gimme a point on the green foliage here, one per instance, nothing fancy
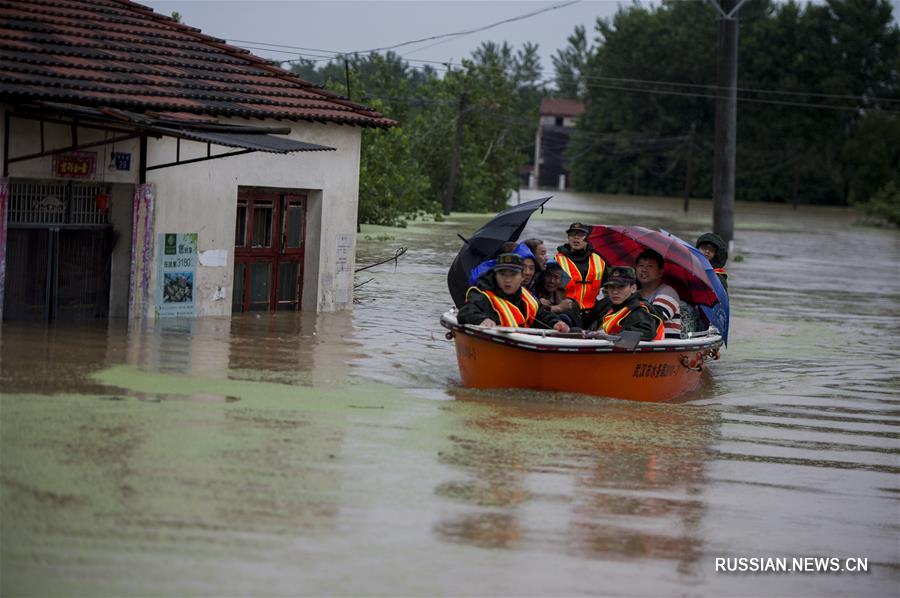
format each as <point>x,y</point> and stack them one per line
<point>843,56</point>
<point>390,184</point>
<point>405,171</point>
<point>871,156</point>
<point>885,204</point>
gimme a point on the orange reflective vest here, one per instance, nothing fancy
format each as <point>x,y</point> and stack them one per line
<point>583,290</point>
<point>509,314</point>
<point>612,323</point>
<point>721,272</point>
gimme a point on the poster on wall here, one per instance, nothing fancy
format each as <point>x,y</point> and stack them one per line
<point>343,276</point>
<point>175,276</point>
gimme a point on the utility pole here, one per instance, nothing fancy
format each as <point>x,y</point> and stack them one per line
<point>726,119</point>
<point>450,191</point>
<point>347,77</point>
<point>689,176</point>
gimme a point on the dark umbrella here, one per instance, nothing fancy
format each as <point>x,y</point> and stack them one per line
<point>686,270</point>
<point>486,243</point>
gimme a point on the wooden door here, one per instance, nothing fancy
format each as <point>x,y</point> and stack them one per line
<point>270,236</point>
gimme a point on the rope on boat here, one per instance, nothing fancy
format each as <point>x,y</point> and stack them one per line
<point>696,364</point>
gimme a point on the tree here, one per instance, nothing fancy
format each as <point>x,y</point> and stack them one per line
<point>808,77</point>
<point>570,64</point>
<point>405,170</point>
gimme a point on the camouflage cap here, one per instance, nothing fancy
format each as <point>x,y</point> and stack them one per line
<point>621,275</point>
<point>509,261</point>
<point>579,227</point>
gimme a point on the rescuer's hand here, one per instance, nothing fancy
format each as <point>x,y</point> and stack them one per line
<point>487,323</point>
<point>561,327</point>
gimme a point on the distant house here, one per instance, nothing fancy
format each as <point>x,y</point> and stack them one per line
<point>555,126</point>
<point>152,170</point>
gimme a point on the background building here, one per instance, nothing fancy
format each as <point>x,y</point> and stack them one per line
<point>556,124</point>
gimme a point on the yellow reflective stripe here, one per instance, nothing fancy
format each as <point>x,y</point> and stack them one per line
<point>567,265</point>
<point>531,306</point>
<point>612,320</point>
<point>597,265</point>
<point>505,310</point>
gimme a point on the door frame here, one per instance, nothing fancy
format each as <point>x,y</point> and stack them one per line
<point>276,253</point>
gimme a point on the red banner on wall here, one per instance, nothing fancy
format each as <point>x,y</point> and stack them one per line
<point>75,165</point>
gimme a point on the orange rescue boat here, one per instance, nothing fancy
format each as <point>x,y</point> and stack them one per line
<point>546,360</point>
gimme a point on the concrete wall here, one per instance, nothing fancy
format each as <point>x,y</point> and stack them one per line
<point>121,207</point>
<point>567,121</point>
<point>202,198</point>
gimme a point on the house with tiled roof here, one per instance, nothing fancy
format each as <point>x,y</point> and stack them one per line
<point>150,169</point>
<point>556,123</point>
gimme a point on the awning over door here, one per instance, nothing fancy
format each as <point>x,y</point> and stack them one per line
<point>129,125</point>
<point>259,142</point>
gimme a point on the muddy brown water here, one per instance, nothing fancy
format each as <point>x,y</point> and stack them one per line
<point>336,454</point>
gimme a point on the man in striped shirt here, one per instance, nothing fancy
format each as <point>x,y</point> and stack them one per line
<point>662,297</point>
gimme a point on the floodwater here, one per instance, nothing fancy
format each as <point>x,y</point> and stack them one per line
<point>296,454</point>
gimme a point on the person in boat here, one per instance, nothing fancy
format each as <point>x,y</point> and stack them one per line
<point>552,294</point>
<point>498,299</point>
<point>622,308</point>
<point>716,251</point>
<point>539,251</point>
<point>663,299</point>
<point>584,267</point>
<point>521,249</point>
<point>529,262</point>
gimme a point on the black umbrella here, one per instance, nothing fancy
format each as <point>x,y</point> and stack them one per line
<point>486,243</point>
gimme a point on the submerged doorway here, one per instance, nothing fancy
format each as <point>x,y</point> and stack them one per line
<point>268,254</point>
<point>58,252</point>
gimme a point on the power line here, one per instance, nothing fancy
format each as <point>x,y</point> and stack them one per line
<point>740,99</point>
<point>470,31</point>
<point>337,54</point>
<point>739,89</point>
<point>411,42</point>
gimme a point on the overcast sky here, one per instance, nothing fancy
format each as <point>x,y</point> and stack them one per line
<point>354,25</point>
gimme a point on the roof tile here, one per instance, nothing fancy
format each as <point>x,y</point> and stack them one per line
<point>117,53</point>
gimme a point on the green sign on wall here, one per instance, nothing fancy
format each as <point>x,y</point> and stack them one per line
<point>176,274</point>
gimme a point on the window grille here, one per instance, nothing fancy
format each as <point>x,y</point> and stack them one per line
<point>56,202</point>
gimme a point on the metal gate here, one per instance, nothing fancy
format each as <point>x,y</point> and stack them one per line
<point>59,248</point>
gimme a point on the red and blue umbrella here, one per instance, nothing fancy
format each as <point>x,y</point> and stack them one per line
<point>686,269</point>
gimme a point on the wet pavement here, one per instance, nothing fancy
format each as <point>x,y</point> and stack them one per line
<point>336,454</point>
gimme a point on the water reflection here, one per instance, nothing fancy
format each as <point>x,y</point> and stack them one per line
<point>270,454</point>
<point>596,479</point>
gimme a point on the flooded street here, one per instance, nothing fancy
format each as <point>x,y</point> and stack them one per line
<point>336,454</point>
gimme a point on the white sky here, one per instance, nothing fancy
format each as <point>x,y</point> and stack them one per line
<point>346,26</point>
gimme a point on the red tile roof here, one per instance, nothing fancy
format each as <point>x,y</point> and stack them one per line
<point>117,53</point>
<point>558,107</point>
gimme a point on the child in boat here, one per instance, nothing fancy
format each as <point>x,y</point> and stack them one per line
<point>552,295</point>
<point>622,308</point>
<point>663,299</point>
<point>538,251</point>
<point>584,267</point>
<point>716,251</point>
<point>499,299</point>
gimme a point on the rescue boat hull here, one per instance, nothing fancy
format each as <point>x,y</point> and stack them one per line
<point>655,372</point>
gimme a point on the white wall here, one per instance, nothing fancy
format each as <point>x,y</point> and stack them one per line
<point>25,139</point>
<point>202,198</point>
